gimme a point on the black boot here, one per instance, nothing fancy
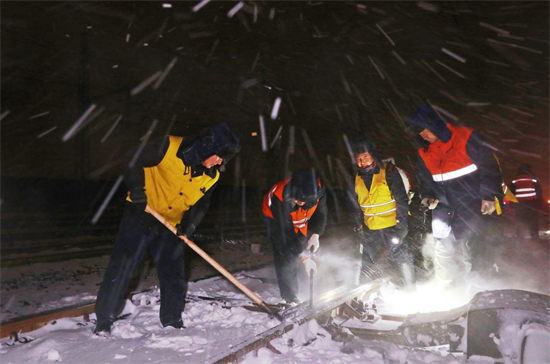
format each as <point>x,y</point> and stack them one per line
<point>178,324</point>
<point>103,328</point>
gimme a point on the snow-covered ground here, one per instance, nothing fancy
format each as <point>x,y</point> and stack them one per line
<point>212,327</point>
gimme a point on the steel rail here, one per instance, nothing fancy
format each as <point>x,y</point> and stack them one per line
<point>27,323</point>
<point>293,317</point>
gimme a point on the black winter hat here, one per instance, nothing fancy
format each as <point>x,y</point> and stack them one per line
<point>424,117</point>
<point>304,186</point>
<point>215,140</point>
<point>362,145</point>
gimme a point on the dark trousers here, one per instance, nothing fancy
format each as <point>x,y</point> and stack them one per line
<point>138,232</point>
<point>375,245</point>
<point>286,247</point>
<point>527,213</point>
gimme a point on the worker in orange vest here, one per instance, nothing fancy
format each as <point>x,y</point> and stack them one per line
<point>295,211</point>
<point>460,182</point>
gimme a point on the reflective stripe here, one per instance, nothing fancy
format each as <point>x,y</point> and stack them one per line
<point>524,179</point>
<point>271,195</point>
<point>505,188</point>
<point>380,213</point>
<point>525,189</point>
<point>525,194</point>
<point>455,174</point>
<point>300,221</point>
<point>380,204</point>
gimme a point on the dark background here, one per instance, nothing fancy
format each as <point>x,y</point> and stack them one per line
<point>332,63</point>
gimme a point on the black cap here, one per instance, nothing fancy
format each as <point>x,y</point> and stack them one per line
<point>215,140</point>
<point>305,186</point>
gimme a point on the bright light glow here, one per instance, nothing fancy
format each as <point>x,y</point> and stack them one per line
<point>395,240</point>
<point>254,133</point>
<point>166,5</point>
<point>429,297</point>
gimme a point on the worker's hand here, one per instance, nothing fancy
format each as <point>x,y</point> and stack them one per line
<point>487,207</point>
<point>185,230</point>
<point>313,242</point>
<point>139,198</point>
<point>309,265</point>
<point>430,203</point>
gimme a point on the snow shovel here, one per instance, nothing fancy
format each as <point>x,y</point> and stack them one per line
<point>254,297</point>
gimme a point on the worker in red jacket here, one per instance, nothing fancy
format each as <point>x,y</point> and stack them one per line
<point>526,187</point>
<point>460,181</point>
<point>295,211</point>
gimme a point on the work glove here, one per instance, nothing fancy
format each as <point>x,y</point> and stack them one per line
<point>309,265</point>
<point>313,242</point>
<point>487,207</point>
<point>430,203</point>
<point>185,230</point>
<point>139,198</point>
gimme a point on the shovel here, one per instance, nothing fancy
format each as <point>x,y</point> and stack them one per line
<point>254,297</point>
<point>311,272</point>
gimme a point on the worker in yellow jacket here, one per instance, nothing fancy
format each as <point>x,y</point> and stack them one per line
<point>175,176</point>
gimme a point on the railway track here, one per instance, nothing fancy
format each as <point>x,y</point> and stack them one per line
<point>327,305</point>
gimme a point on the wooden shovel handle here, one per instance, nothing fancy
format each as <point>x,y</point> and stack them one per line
<point>254,297</point>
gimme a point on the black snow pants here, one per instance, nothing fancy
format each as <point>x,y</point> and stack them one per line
<point>286,248</point>
<point>374,243</point>
<point>138,232</point>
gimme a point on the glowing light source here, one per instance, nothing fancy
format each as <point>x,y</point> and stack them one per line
<point>254,133</point>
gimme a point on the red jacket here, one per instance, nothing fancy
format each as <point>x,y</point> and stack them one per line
<point>447,161</point>
<point>525,187</point>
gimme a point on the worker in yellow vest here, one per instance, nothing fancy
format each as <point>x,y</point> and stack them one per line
<point>381,207</point>
<point>176,177</point>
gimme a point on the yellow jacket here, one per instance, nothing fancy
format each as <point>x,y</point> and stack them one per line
<point>169,187</point>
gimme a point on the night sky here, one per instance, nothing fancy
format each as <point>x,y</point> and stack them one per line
<point>144,69</point>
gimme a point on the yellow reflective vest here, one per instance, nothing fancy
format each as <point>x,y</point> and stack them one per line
<point>377,203</point>
<point>169,187</point>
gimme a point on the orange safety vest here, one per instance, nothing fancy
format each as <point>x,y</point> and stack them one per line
<point>300,217</point>
<point>525,187</point>
<point>447,161</point>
